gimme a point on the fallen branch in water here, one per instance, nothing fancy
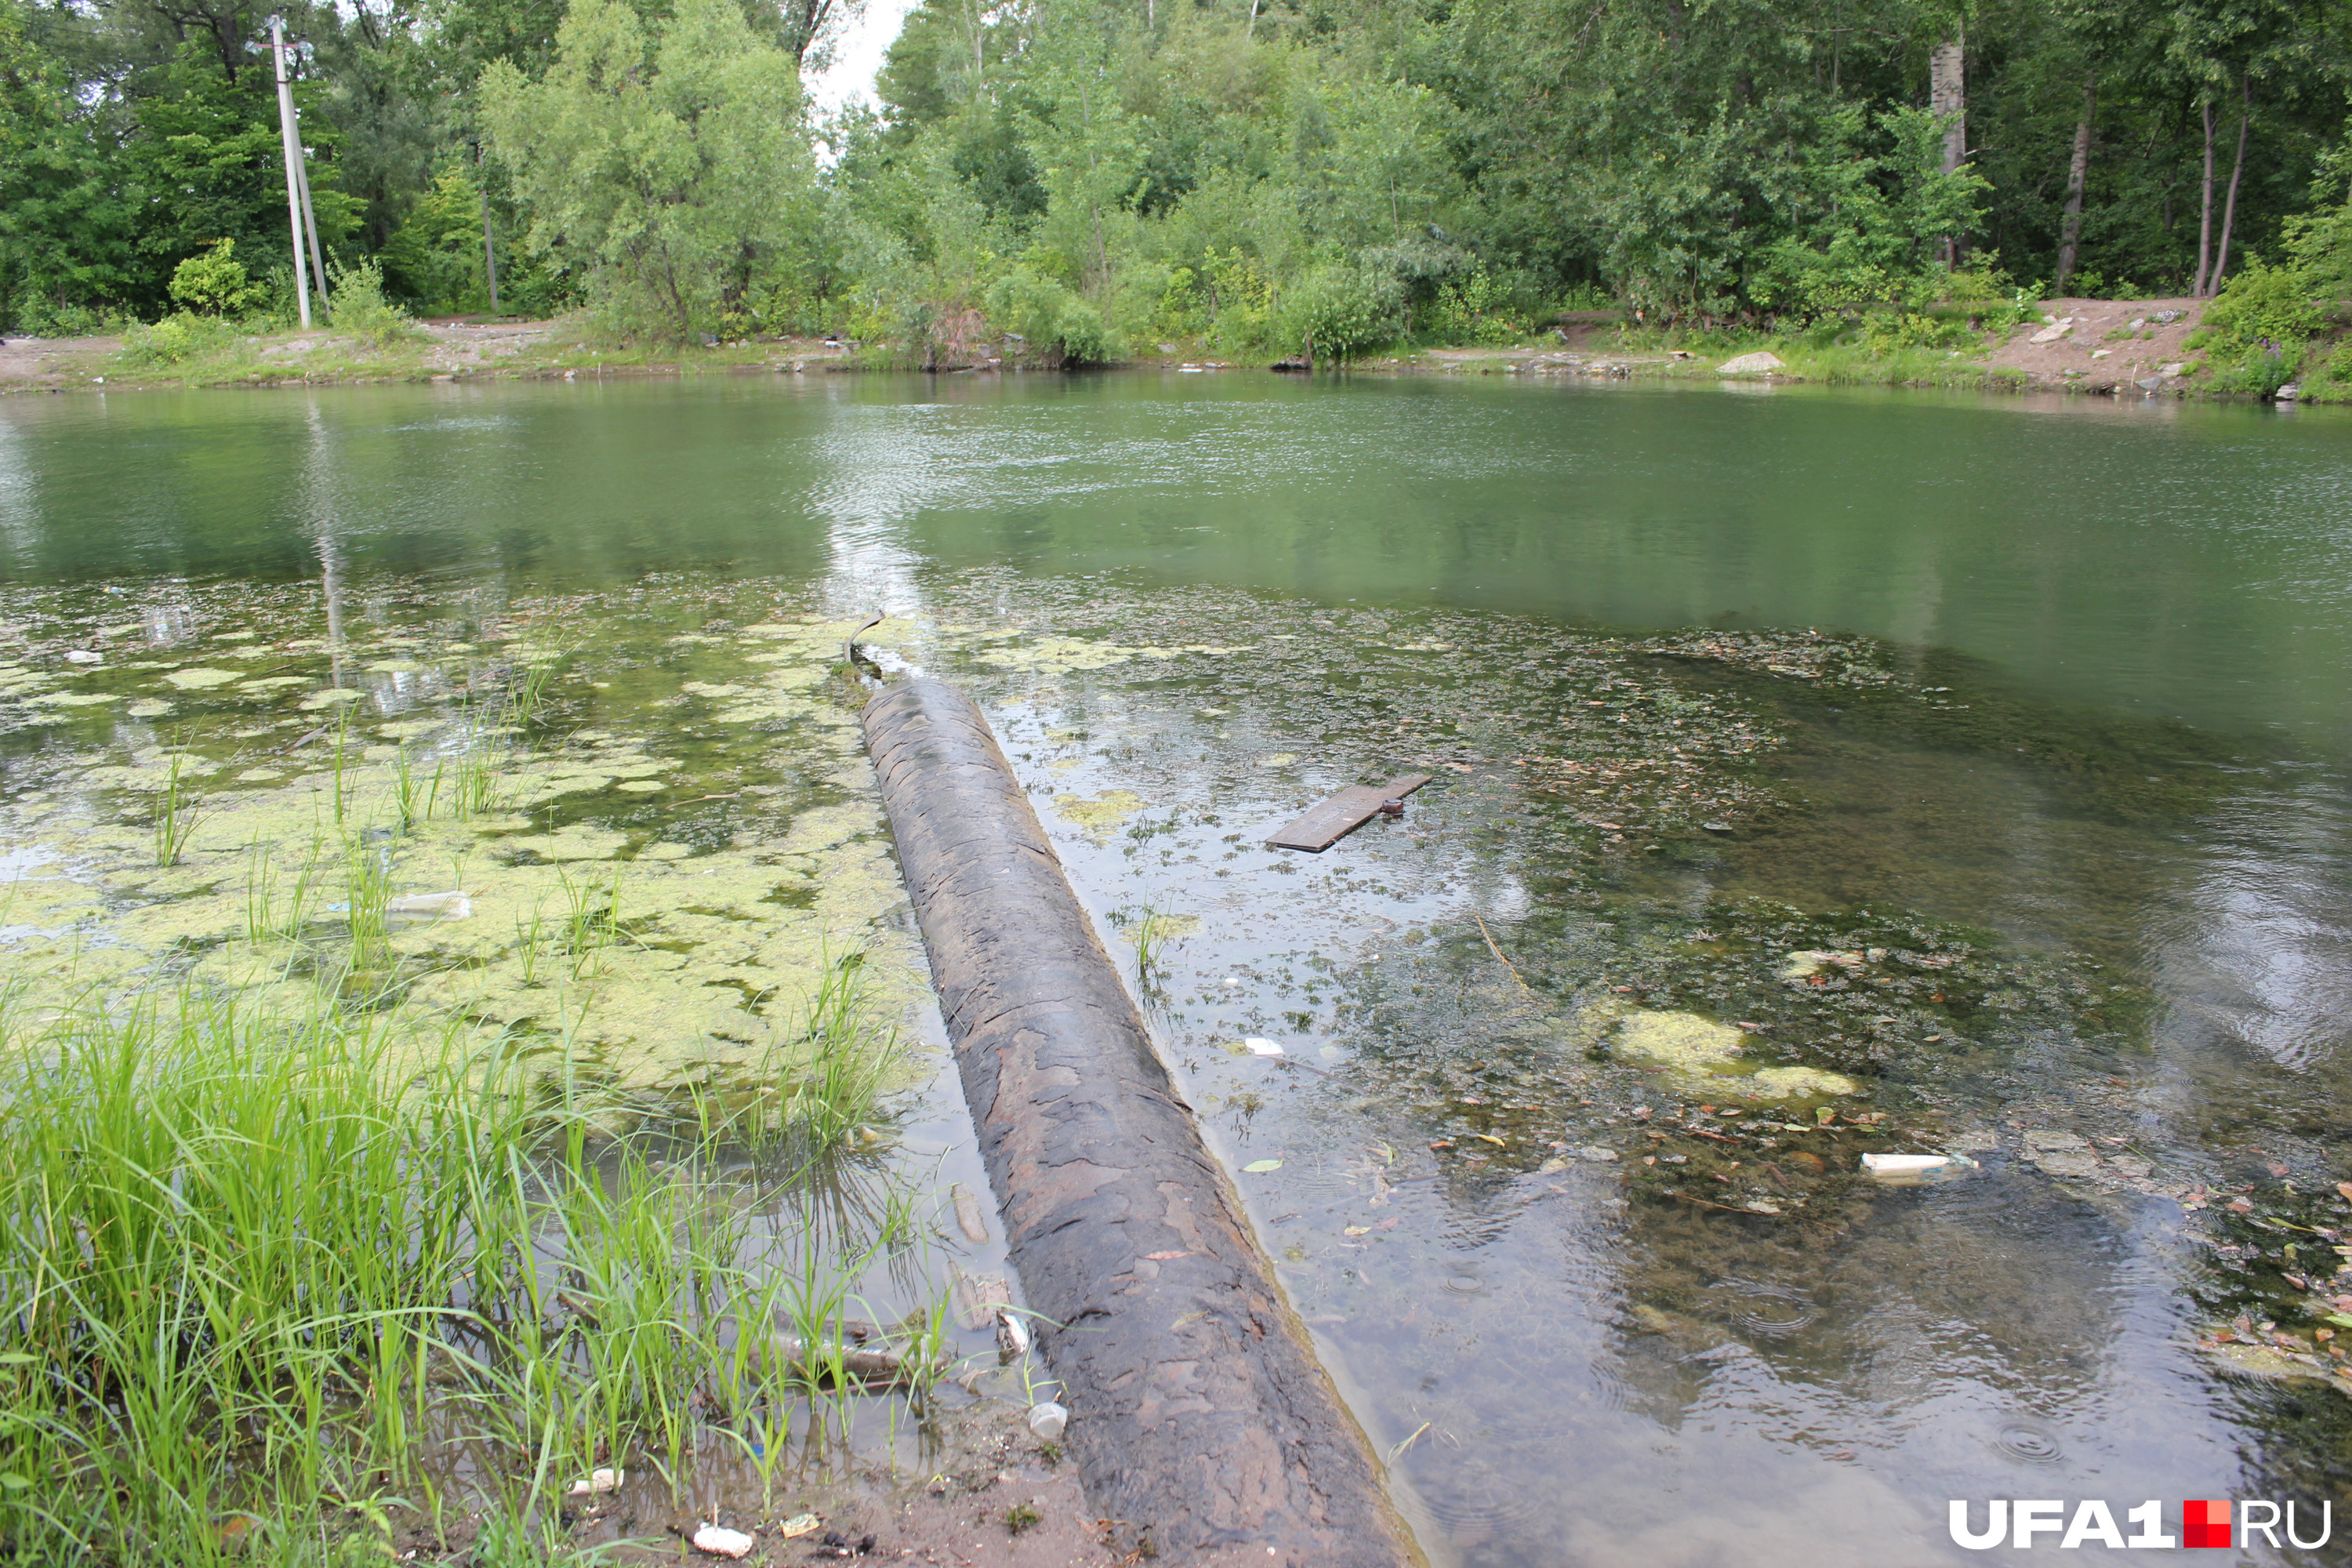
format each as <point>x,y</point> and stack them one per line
<point>1498,952</point>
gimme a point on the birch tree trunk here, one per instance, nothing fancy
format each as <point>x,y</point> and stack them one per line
<point>1947,99</point>
<point>2078,169</point>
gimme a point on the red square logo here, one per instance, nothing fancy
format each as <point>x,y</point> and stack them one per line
<point>2205,1524</point>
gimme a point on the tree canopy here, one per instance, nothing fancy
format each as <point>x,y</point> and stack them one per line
<point>1300,175</point>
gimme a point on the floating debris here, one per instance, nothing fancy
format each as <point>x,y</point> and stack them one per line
<point>1900,1170</point>
<point>596,1481</point>
<point>719,1543</point>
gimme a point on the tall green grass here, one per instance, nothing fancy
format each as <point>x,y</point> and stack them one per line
<point>281,1277</point>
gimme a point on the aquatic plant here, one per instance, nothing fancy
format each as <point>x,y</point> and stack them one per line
<point>592,922</point>
<point>414,797</point>
<point>277,903</point>
<point>367,891</point>
<point>1153,931</point>
<point>826,1076</point>
<point>175,818</point>
<point>339,762</point>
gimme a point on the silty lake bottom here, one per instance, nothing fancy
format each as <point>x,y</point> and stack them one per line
<point>1817,774</point>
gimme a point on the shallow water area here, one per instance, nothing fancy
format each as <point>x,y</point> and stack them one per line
<point>1802,793</point>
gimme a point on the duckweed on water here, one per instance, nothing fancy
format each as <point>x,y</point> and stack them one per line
<point>1701,1056</point>
<point>1100,814</point>
<point>442,770</point>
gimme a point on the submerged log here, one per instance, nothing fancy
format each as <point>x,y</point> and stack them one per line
<point>1199,1417</point>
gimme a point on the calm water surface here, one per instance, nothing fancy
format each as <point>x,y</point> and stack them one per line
<point>2087,749</point>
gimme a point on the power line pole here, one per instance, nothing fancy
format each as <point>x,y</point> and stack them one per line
<point>310,224</point>
<point>293,150</point>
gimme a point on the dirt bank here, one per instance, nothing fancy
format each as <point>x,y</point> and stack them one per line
<point>36,364</point>
<point>2085,345</point>
<point>2100,345</point>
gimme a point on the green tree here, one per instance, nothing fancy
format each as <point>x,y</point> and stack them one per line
<point>67,230</point>
<point>214,283</point>
<point>673,174</point>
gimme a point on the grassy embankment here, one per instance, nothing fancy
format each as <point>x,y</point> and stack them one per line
<point>230,355</point>
<point>299,1274</point>
<point>1961,346</point>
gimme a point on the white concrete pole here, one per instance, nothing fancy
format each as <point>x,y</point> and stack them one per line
<point>293,147</point>
<point>310,222</point>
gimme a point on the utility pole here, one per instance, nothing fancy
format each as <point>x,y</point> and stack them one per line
<point>293,149</point>
<point>311,226</point>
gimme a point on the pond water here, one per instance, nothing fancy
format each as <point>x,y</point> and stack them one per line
<point>1815,774</point>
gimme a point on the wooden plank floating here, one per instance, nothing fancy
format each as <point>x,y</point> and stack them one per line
<point>1335,818</point>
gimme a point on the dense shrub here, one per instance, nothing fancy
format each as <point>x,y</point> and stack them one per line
<point>1052,319</point>
<point>1337,312</point>
<point>214,282</point>
<point>2256,334</point>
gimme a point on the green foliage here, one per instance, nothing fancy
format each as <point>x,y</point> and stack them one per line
<point>66,248</point>
<point>2265,303</point>
<point>214,283</point>
<point>2320,241</point>
<point>304,1256</point>
<point>1867,225</point>
<point>1475,308</point>
<point>667,172</point>
<point>1337,312</point>
<point>2257,333</point>
<point>359,308</point>
<point>1050,319</point>
<point>1234,176</point>
<point>435,256</point>
<point>175,339</point>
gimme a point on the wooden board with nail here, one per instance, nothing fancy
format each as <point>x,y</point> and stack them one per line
<point>1333,819</point>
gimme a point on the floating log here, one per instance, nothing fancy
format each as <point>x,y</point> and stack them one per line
<point>1200,1418</point>
<point>1342,814</point>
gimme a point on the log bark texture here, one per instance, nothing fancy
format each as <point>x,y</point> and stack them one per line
<point>1198,1415</point>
